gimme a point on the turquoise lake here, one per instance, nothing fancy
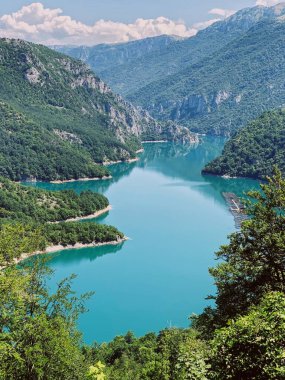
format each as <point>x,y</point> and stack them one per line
<point>175,218</point>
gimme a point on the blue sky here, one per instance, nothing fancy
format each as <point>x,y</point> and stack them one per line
<point>88,11</point>
<point>110,21</point>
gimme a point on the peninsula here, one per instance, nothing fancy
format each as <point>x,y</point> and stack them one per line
<point>57,215</point>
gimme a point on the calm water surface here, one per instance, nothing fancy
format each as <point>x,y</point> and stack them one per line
<point>176,219</point>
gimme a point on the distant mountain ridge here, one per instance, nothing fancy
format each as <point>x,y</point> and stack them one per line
<point>224,91</point>
<point>152,59</point>
<point>104,56</point>
<point>59,121</point>
<point>216,81</point>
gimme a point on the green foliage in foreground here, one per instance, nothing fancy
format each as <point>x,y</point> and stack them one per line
<point>250,347</point>
<point>172,354</point>
<point>253,262</point>
<point>39,339</point>
<point>38,336</point>
<point>254,150</point>
<point>253,346</point>
<point>241,338</point>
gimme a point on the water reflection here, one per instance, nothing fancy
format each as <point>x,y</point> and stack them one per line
<point>176,161</point>
<point>72,256</point>
<point>176,217</point>
<point>186,163</point>
<point>101,186</point>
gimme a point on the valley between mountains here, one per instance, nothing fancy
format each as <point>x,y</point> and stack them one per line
<point>130,164</point>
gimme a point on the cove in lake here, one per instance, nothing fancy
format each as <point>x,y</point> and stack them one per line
<point>176,219</point>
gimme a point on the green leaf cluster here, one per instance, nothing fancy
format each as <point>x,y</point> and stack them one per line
<point>38,335</point>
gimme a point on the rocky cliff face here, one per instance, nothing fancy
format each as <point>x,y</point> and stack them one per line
<point>195,105</point>
<point>68,87</point>
<point>138,122</point>
<point>125,120</point>
<point>129,67</point>
<point>104,56</point>
<point>224,90</point>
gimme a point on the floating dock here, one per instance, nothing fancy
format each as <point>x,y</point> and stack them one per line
<point>236,207</point>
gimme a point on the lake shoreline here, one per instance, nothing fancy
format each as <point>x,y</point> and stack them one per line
<point>86,217</point>
<point>154,141</point>
<point>165,241</point>
<point>79,180</point>
<point>59,248</point>
<point>106,163</point>
<point>129,161</point>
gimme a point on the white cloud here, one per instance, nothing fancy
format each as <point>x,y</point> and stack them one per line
<point>205,24</point>
<point>36,23</point>
<point>39,24</point>
<point>221,12</point>
<point>267,3</point>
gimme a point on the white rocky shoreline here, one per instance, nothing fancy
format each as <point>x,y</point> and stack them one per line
<point>86,217</point>
<point>59,247</point>
<point>80,179</point>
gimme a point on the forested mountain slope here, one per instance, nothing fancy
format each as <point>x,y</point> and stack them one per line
<point>57,119</point>
<point>255,149</point>
<point>131,66</point>
<point>224,91</point>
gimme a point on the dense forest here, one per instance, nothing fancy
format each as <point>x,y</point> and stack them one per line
<point>18,202</point>
<point>40,209</point>
<point>54,106</point>
<point>241,337</point>
<point>70,233</point>
<point>254,150</point>
<point>29,150</point>
<point>50,101</point>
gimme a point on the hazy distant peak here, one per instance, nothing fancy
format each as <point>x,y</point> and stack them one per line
<point>246,18</point>
<point>279,8</point>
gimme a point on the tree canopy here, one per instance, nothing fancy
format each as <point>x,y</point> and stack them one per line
<point>38,335</point>
<point>241,337</point>
<point>254,150</point>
